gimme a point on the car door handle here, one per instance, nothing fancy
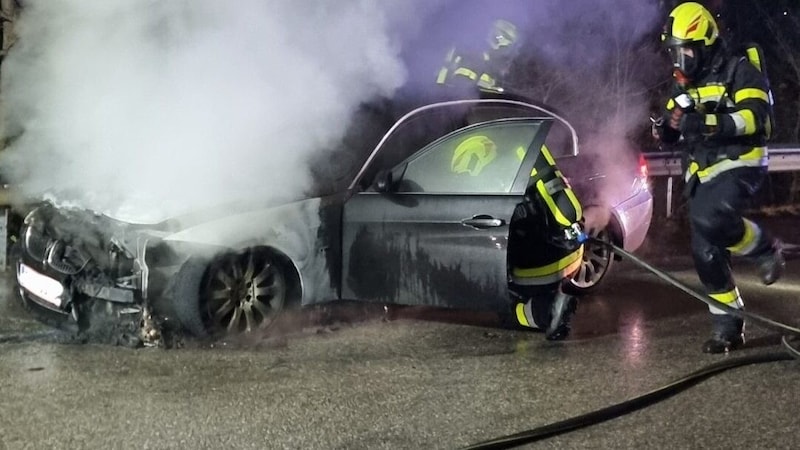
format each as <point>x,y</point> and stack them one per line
<point>483,221</point>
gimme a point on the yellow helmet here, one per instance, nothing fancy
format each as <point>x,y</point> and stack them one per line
<point>473,154</point>
<point>689,26</point>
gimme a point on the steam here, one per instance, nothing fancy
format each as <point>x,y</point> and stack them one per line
<point>599,63</point>
<point>145,109</point>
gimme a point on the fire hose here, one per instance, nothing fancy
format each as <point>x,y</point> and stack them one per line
<point>790,335</point>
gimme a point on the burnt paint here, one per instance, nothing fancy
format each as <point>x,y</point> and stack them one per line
<point>419,253</point>
<point>388,261</point>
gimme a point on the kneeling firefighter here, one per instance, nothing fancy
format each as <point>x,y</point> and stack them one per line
<point>545,239</point>
<point>545,247</point>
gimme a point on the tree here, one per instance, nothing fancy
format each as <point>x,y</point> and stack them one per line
<point>9,10</point>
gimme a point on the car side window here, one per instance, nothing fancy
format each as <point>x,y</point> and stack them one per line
<point>481,159</point>
<point>559,141</point>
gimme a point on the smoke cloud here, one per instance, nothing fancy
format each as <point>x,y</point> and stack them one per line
<point>599,62</point>
<point>147,108</point>
<point>144,109</point>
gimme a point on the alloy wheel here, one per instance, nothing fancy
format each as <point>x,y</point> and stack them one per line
<point>597,260</point>
<point>243,292</point>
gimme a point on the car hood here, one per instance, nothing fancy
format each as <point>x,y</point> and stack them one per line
<point>151,213</point>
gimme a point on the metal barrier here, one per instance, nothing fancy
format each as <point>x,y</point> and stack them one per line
<point>782,158</point>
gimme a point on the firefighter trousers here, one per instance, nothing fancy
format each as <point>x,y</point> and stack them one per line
<point>718,227</point>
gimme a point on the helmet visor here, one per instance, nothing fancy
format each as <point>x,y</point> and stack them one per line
<point>684,58</point>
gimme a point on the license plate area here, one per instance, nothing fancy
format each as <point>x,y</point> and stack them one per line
<point>42,286</point>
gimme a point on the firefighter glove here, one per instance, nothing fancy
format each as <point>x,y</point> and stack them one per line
<point>684,103</point>
<point>693,125</point>
<point>657,127</point>
<point>674,118</point>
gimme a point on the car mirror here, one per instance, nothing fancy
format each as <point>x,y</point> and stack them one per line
<point>383,181</point>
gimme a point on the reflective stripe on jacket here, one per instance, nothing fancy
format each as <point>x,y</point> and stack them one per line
<point>738,117</point>
<point>535,256</point>
<point>458,69</point>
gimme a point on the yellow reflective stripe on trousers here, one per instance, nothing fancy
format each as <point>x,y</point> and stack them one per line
<point>752,233</point>
<point>757,157</point>
<point>550,273</point>
<point>731,298</point>
<point>726,297</point>
<point>521,318</point>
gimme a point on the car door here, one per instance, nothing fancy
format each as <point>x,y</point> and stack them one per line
<point>436,231</point>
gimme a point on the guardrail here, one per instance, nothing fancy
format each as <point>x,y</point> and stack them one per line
<point>782,158</point>
<point>668,164</point>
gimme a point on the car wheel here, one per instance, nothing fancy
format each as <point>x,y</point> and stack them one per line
<point>234,293</point>
<point>597,261</point>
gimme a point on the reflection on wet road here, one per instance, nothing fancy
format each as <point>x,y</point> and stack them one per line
<point>359,377</point>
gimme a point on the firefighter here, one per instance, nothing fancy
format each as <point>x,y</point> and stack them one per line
<point>719,115</point>
<point>484,69</point>
<point>545,238</point>
<point>544,249</point>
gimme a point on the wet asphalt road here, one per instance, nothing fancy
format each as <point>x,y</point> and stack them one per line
<point>424,379</point>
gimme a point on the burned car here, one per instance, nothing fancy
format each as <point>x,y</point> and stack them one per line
<point>405,228</point>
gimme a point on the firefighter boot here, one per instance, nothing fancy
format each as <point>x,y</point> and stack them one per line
<point>727,333</point>
<point>562,308</point>
<point>772,264</point>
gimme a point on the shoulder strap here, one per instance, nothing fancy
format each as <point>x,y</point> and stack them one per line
<point>730,70</point>
<point>752,54</point>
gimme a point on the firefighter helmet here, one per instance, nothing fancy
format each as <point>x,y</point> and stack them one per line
<point>473,154</point>
<point>689,36</point>
<point>503,47</point>
<point>502,34</point>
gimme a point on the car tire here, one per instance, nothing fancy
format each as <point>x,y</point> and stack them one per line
<point>595,265</point>
<point>233,293</point>
<point>186,296</point>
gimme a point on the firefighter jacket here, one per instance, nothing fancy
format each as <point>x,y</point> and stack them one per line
<point>736,102</point>
<point>463,71</point>
<point>540,248</point>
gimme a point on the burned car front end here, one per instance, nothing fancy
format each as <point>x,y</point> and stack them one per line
<point>85,272</point>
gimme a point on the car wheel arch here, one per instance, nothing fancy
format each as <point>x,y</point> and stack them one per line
<point>191,278</point>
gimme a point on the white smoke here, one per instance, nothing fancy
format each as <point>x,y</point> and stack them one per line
<point>145,109</point>
<point>149,108</point>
